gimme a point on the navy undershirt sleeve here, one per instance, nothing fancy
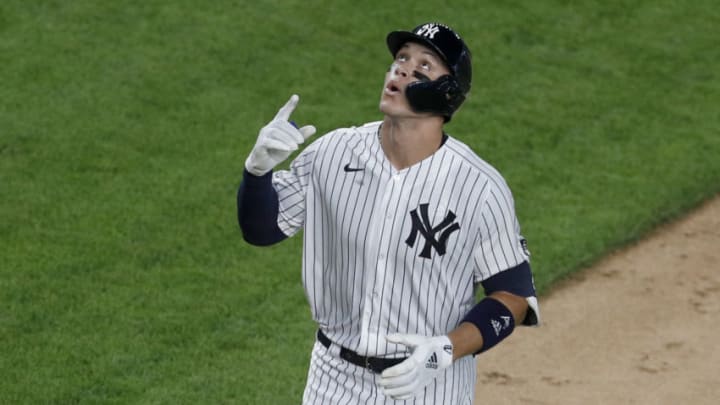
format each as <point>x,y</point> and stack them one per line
<point>517,280</point>
<point>257,205</point>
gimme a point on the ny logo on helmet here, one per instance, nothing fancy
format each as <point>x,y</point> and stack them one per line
<point>421,224</point>
<point>428,30</point>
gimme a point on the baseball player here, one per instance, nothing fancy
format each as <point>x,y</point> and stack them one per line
<point>402,223</point>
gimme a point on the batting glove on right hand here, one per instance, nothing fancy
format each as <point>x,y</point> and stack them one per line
<point>277,140</point>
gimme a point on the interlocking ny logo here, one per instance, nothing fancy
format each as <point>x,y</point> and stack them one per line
<point>421,224</point>
<point>428,30</point>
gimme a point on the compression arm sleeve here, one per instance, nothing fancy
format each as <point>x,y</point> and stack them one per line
<point>257,207</point>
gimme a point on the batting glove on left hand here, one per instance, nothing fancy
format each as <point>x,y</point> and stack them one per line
<point>430,356</point>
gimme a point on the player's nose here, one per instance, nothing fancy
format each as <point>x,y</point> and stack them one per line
<point>400,71</point>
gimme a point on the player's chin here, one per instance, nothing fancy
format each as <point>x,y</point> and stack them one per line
<point>393,107</point>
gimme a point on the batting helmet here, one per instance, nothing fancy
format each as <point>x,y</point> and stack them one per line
<point>445,94</point>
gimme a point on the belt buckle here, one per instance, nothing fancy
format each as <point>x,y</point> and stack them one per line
<point>367,363</point>
<point>371,365</point>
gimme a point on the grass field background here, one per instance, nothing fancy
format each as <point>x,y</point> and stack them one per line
<point>124,127</point>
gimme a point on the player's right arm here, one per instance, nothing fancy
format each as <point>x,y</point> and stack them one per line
<point>257,199</point>
<point>257,207</point>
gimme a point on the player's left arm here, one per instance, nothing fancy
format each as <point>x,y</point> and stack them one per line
<point>510,301</point>
<point>510,297</point>
<point>468,339</point>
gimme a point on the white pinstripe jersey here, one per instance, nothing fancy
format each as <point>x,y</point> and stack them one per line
<point>394,251</point>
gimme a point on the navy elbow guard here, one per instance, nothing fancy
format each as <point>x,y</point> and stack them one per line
<point>493,319</point>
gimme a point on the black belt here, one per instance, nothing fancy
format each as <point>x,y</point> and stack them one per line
<point>374,364</point>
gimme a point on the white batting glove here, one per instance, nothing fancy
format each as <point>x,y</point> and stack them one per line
<point>430,356</point>
<point>277,140</point>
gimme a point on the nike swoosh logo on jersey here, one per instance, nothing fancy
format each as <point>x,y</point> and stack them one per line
<point>347,168</point>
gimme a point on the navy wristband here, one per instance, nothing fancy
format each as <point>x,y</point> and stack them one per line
<point>493,319</point>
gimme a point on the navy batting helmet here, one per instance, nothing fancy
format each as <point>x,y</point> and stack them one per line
<point>444,95</point>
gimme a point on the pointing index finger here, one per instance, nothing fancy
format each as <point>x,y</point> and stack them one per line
<point>288,108</point>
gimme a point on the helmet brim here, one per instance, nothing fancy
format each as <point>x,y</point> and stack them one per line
<point>396,39</point>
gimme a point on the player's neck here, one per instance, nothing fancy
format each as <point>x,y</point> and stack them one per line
<point>408,141</point>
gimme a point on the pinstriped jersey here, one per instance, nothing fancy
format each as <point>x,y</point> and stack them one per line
<point>389,250</point>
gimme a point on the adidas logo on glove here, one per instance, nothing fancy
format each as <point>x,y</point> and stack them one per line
<point>432,361</point>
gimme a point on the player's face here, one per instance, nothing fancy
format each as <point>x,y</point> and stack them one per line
<point>413,62</point>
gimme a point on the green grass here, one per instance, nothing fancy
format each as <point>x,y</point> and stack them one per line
<point>124,128</point>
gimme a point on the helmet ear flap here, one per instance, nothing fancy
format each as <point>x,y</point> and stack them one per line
<point>441,96</point>
<point>453,92</point>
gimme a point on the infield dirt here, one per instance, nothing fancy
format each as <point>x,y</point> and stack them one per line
<point>640,327</point>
